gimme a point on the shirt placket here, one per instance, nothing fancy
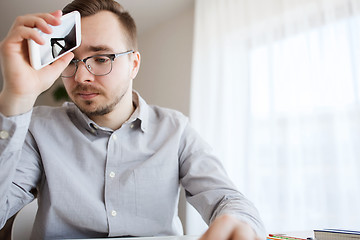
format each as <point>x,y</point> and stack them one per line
<point>119,183</point>
<point>111,183</point>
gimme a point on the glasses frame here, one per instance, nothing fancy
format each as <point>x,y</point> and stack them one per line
<point>56,41</point>
<point>112,57</point>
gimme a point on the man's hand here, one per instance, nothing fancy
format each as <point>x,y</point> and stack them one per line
<point>227,227</point>
<point>22,83</point>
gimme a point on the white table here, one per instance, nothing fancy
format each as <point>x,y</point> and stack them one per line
<point>299,234</point>
<point>187,237</point>
<point>165,238</point>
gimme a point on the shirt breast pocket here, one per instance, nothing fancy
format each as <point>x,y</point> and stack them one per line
<point>157,189</point>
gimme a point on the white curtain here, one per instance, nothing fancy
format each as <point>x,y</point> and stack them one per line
<point>276,92</point>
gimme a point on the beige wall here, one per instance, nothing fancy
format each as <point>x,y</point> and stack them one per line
<point>46,98</point>
<point>166,51</point>
<point>165,71</point>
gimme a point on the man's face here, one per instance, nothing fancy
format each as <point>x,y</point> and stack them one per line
<point>98,95</point>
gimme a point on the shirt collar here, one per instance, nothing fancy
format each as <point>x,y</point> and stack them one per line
<point>141,114</point>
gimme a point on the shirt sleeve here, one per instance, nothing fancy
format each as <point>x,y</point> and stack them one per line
<point>13,132</point>
<point>207,186</point>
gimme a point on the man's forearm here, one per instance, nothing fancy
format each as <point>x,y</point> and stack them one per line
<point>12,136</point>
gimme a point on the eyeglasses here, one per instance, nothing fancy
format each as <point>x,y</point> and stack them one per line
<point>57,46</point>
<point>99,65</point>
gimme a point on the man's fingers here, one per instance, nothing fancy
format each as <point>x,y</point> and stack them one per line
<point>41,21</point>
<point>57,13</point>
<point>227,227</point>
<point>22,33</point>
<point>26,27</point>
<point>35,20</point>
<point>220,229</point>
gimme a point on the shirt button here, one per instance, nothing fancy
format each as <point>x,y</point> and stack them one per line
<point>112,174</point>
<point>4,134</point>
<point>114,137</point>
<point>113,213</point>
<point>132,126</point>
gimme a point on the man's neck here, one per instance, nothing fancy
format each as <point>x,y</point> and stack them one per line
<point>121,113</point>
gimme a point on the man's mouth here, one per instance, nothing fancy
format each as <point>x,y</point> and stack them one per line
<point>87,96</point>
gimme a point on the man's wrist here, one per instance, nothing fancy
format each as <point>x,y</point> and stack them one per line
<point>12,106</point>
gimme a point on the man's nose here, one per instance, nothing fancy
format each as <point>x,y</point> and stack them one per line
<point>83,74</point>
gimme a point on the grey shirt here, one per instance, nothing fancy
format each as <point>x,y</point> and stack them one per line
<point>97,182</point>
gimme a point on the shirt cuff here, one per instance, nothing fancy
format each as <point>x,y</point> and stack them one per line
<point>13,130</point>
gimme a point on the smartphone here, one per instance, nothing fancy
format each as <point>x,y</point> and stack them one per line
<point>63,39</point>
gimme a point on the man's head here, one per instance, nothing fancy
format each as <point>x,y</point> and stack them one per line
<point>106,29</point>
<point>91,7</point>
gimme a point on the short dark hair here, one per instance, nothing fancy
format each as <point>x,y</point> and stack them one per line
<point>91,7</point>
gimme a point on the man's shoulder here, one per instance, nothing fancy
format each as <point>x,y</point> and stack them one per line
<point>163,113</point>
<point>48,112</point>
<point>165,121</point>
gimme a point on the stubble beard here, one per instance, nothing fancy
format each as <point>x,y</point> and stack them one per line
<point>100,110</point>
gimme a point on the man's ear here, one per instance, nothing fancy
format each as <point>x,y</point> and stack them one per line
<point>135,58</point>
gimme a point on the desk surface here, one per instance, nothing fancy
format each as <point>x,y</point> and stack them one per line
<point>151,238</point>
<point>299,234</point>
<point>296,234</point>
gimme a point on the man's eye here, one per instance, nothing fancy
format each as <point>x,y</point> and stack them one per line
<point>101,60</point>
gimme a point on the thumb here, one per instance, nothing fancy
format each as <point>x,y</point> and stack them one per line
<point>54,70</point>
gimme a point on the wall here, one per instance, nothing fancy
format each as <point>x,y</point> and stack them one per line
<point>165,71</point>
<point>164,76</point>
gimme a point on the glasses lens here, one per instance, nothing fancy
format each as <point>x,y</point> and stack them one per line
<point>99,65</point>
<point>57,47</point>
<point>70,70</point>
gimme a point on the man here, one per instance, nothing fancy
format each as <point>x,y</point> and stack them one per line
<point>107,164</point>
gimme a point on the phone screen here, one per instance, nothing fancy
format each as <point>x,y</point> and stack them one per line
<point>60,41</point>
<point>64,38</point>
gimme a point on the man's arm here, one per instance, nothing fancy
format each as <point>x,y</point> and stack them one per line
<point>22,85</point>
<point>12,137</point>
<point>208,188</point>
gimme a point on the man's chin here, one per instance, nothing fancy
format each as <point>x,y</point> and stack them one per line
<point>90,109</point>
<point>95,108</point>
